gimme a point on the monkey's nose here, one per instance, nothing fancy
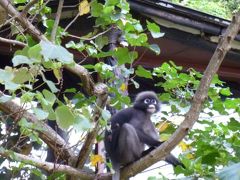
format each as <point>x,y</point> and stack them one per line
<point>151,108</point>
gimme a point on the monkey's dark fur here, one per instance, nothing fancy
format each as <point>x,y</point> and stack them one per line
<point>131,130</point>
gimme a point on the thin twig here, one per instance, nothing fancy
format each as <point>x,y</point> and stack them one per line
<point>89,39</point>
<point>7,22</point>
<point>38,11</point>
<point>66,28</point>
<point>14,42</point>
<point>28,6</point>
<point>57,19</point>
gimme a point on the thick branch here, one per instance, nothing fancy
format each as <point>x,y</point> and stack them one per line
<point>57,19</point>
<point>47,166</point>
<point>46,133</point>
<point>22,20</point>
<point>85,77</point>
<point>198,100</point>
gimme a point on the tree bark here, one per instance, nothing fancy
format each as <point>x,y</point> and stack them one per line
<point>47,166</point>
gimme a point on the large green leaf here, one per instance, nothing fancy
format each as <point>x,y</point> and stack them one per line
<point>20,59</point>
<point>142,72</point>
<point>52,51</point>
<point>64,117</point>
<point>124,56</point>
<point>21,75</point>
<point>82,123</point>
<point>96,9</point>
<point>49,96</point>
<point>41,114</point>
<point>154,30</point>
<point>34,52</point>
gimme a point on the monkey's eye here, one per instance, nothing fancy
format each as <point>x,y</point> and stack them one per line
<point>147,101</point>
<point>153,101</point>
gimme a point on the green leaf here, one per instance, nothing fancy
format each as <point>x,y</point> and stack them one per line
<point>225,91</point>
<point>64,117</point>
<point>27,97</point>
<point>142,72</point>
<point>234,125</point>
<point>20,59</point>
<point>91,50</point>
<point>82,123</point>
<point>35,52</point>
<point>5,75</point>
<point>137,39</point>
<point>21,75</point>
<point>101,41</point>
<point>49,96</point>
<point>52,86</point>
<point>19,1</point>
<point>154,30</point>
<point>80,46</point>
<point>124,56</point>
<point>51,113</point>
<point>112,2</point>
<point>165,97</point>
<point>41,114</point>
<point>155,48</point>
<point>52,51</point>
<point>96,9</point>
<point>11,86</point>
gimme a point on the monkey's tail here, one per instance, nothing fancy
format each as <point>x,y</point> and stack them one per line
<point>171,159</point>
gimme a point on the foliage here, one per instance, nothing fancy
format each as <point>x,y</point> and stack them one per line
<point>36,78</point>
<point>220,8</point>
<point>209,146</point>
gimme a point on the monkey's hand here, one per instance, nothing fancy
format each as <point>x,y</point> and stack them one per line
<point>144,153</point>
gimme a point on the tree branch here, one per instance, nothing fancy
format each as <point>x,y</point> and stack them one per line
<point>46,133</point>
<point>28,6</point>
<point>10,41</point>
<point>101,90</point>
<point>22,20</point>
<point>47,166</point>
<point>75,18</point>
<point>85,77</point>
<point>199,98</point>
<point>57,19</point>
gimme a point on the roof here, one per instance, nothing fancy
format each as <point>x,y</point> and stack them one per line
<point>190,37</point>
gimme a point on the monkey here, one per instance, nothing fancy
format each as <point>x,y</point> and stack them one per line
<point>132,129</point>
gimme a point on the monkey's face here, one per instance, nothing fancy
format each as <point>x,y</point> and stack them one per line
<point>151,105</point>
<point>147,102</point>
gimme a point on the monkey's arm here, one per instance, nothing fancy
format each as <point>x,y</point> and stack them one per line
<point>146,139</point>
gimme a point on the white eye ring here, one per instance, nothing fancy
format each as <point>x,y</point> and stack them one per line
<point>147,101</point>
<point>153,101</point>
